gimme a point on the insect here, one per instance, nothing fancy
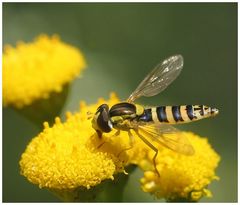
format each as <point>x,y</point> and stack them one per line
<point>153,124</point>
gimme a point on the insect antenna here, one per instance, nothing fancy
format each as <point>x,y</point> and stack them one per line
<point>89,115</point>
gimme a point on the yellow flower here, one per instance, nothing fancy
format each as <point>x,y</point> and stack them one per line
<point>31,71</point>
<point>182,178</point>
<point>70,155</point>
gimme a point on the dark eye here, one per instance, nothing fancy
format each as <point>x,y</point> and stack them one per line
<point>103,119</point>
<point>103,107</point>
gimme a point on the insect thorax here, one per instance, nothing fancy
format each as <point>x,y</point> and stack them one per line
<point>122,114</point>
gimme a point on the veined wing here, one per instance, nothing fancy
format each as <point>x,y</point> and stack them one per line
<point>168,136</point>
<point>159,78</point>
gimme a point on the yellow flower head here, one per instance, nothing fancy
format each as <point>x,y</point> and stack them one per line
<point>182,178</point>
<point>70,155</point>
<point>33,70</point>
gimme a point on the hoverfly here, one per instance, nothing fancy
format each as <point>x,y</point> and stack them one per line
<point>154,123</point>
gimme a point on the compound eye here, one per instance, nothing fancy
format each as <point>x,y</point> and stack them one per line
<point>102,108</point>
<point>103,120</point>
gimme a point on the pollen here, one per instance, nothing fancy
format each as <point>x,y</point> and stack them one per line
<point>33,70</point>
<point>182,178</point>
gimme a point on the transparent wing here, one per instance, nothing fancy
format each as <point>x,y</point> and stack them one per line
<point>167,136</point>
<point>159,78</point>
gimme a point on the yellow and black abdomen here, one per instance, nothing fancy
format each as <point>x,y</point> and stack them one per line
<point>177,114</point>
<point>174,114</point>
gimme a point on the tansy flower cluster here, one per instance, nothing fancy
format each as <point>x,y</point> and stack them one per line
<point>70,155</point>
<point>33,70</point>
<point>183,178</point>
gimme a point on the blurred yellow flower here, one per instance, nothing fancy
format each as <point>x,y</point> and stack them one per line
<point>70,155</point>
<point>33,70</point>
<point>182,178</point>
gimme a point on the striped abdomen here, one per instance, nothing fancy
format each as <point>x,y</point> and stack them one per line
<point>177,114</point>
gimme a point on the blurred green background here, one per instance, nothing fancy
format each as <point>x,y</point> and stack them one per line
<point>122,43</point>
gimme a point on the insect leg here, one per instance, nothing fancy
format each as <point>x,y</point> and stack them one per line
<point>99,139</point>
<point>98,147</point>
<point>152,147</point>
<point>131,140</point>
<point>100,136</point>
<point>117,133</point>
